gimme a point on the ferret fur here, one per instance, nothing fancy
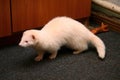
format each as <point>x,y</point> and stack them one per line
<point>58,32</point>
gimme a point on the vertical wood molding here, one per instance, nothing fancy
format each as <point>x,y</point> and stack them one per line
<point>5,23</point>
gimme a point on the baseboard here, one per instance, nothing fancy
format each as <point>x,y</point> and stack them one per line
<point>10,40</point>
<point>114,24</point>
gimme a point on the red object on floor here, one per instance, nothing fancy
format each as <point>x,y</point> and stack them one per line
<point>102,28</point>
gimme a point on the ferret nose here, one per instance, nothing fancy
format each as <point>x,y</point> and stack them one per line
<point>19,44</point>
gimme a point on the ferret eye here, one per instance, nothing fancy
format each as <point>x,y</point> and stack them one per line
<point>26,41</point>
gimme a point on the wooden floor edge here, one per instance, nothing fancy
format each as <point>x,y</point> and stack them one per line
<point>98,17</point>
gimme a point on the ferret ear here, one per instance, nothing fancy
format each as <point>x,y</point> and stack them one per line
<point>33,37</point>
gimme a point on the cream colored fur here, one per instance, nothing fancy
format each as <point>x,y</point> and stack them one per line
<point>61,31</point>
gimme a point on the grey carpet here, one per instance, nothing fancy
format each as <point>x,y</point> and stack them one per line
<point>17,63</point>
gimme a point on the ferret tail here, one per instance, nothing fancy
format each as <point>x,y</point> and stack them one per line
<point>98,43</point>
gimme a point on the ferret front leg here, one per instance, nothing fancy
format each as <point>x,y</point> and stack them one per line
<point>39,57</point>
<point>53,55</point>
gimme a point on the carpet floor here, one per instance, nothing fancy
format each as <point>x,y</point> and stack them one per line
<point>18,63</point>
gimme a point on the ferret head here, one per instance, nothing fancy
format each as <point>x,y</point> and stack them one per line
<point>28,39</point>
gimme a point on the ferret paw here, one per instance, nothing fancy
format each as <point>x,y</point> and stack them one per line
<point>38,58</point>
<point>76,52</point>
<point>52,57</point>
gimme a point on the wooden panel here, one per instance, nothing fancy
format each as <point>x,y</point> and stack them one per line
<point>113,23</point>
<point>28,14</point>
<point>5,25</point>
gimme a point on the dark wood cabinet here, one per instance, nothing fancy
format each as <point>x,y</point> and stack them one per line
<point>19,15</point>
<point>35,13</point>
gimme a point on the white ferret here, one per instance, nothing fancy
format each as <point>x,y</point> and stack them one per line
<point>61,31</point>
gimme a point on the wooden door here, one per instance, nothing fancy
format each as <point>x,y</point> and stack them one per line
<point>27,14</point>
<point>5,24</point>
